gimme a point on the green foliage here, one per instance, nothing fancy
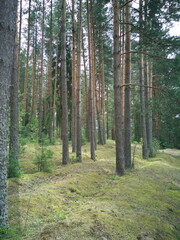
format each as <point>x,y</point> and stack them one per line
<point>14,168</point>
<point>10,233</point>
<point>84,139</point>
<point>156,145</point>
<point>43,160</point>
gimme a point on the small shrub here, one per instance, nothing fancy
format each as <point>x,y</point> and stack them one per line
<point>156,146</point>
<point>14,169</point>
<point>83,139</point>
<point>43,160</point>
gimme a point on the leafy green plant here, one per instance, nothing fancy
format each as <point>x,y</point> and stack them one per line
<point>43,160</point>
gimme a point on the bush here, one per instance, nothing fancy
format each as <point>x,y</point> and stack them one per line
<point>156,145</point>
<point>43,160</point>
<point>14,169</point>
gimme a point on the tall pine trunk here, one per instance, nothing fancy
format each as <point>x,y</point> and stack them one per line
<point>27,67</point>
<point>79,141</point>
<point>117,95</point>
<point>41,76</point>
<point>8,13</point>
<point>91,86</point>
<point>145,153</point>
<point>64,122</point>
<point>127,94</point>
<point>74,90</point>
<point>13,165</point>
<point>49,87</point>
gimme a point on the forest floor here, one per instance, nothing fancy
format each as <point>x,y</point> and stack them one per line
<point>87,201</point>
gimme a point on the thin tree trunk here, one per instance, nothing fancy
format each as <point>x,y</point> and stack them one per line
<point>49,92</point>
<point>86,94</point>
<point>41,76</point>
<point>145,153</point>
<point>64,123</point>
<point>150,122</point>
<point>74,87</point>
<point>127,96</point>
<point>8,14</point>
<point>117,95</point>
<point>34,80</point>
<point>91,85</point>
<point>27,67</point>
<point>19,46</point>
<point>78,149</point>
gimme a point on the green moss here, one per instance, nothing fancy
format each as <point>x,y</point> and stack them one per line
<point>88,201</point>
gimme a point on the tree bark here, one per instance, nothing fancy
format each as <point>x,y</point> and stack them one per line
<point>145,153</point>
<point>27,67</point>
<point>127,95</point>
<point>49,91</point>
<point>64,123</point>
<point>74,90</point>
<point>8,14</point>
<point>19,46</point>
<point>117,95</point>
<point>13,165</point>
<point>79,141</point>
<point>41,76</point>
<point>91,86</point>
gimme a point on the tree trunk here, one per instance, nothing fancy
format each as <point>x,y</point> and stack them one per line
<point>34,80</point>
<point>8,13</point>
<point>91,85</point>
<point>117,95</point>
<point>13,165</point>
<point>64,123</point>
<point>19,46</point>
<point>145,153</point>
<point>127,95</point>
<point>49,91</point>
<point>27,67</point>
<point>74,90</point>
<point>41,76</point>
<point>78,149</point>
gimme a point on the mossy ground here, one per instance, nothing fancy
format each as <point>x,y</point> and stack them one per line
<point>88,201</point>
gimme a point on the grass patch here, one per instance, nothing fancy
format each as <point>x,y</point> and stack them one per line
<point>88,201</point>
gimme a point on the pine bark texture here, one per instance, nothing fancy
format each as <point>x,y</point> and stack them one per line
<point>145,153</point>
<point>79,140</point>
<point>27,67</point>
<point>64,122</point>
<point>127,94</point>
<point>117,95</point>
<point>8,14</point>
<point>91,87</point>
<point>41,76</point>
<point>14,119</point>
<point>74,90</point>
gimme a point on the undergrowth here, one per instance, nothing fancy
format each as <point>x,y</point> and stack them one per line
<point>88,201</point>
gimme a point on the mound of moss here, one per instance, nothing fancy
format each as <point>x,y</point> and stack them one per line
<point>88,201</point>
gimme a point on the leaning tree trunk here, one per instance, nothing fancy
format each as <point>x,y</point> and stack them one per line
<point>117,95</point>
<point>64,122</point>
<point>8,13</point>
<point>127,94</point>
